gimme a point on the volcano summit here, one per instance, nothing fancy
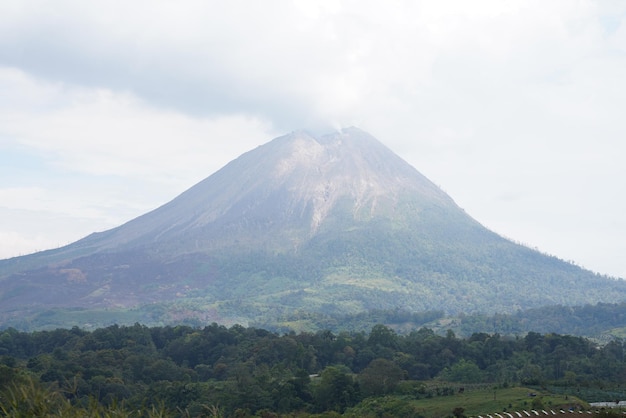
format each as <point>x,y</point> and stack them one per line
<point>332,224</point>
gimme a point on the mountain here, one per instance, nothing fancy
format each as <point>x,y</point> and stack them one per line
<point>335,224</point>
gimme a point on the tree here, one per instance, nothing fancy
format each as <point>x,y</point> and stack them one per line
<point>383,336</point>
<point>465,371</point>
<point>380,377</point>
<point>336,390</point>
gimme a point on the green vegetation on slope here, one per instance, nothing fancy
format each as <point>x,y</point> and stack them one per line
<point>335,225</point>
<point>602,322</point>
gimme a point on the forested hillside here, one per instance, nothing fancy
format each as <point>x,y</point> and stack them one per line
<point>243,372</point>
<point>603,321</point>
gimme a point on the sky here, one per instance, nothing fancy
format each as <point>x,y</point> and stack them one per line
<point>515,108</point>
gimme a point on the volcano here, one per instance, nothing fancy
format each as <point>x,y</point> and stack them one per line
<point>332,224</point>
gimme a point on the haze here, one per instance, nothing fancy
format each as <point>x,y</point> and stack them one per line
<point>110,109</point>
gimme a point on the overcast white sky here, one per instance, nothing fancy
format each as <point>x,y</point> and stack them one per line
<point>516,108</point>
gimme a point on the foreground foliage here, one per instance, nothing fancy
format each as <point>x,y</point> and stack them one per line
<point>237,371</point>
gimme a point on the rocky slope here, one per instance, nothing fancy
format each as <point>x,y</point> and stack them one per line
<point>331,224</point>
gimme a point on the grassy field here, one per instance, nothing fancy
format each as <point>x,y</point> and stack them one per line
<point>485,401</point>
<point>474,402</point>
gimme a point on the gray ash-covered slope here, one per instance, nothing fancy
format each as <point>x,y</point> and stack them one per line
<point>337,223</point>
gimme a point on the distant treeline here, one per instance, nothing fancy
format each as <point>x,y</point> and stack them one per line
<point>243,372</point>
<point>599,321</point>
<point>588,320</point>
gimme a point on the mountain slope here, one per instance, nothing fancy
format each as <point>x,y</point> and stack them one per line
<point>289,187</point>
<point>334,224</point>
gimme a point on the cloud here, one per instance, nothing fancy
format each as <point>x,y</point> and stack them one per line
<point>513,107</point>
<point>301,64</point>
<point>74,160</point>
<point>98,131</point>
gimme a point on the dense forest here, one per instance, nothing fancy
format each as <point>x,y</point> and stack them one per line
<point>602,321</point>
<point>242,372</point>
